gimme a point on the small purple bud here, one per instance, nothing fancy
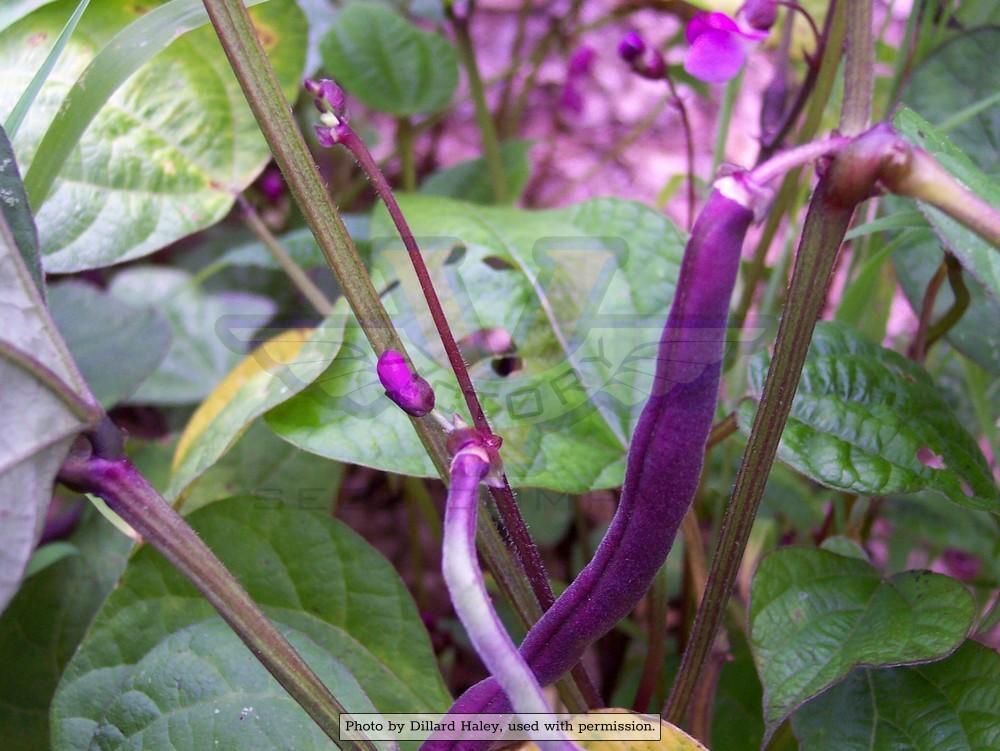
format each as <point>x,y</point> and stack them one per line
<point>654,66</point>
<point>327,96</point>
<point>328,137</point>
<point>410,392</point>
<point>272,184</point>
<point>581,61</point>
<point>631,47</point>
<point>761,14</point>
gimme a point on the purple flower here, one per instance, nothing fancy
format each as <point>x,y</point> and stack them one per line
<point>408,390</point>
<point>331,101</point>
<point>718,46</point>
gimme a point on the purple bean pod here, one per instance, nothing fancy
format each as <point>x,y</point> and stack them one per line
<point>664,459</point>
<point>467,590</point>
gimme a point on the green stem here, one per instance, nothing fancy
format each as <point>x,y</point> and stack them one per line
<point>961,302</point>
<point>725,116</point>
<point>129,495</point>
<point>859,68</point>
<point>824,230</point>
<point>82,409</point>
<point>404,145</point>
<point>484,119</point>
<point>298,276</point>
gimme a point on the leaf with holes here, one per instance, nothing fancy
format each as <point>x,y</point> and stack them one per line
<point>274,372</point>
<point>164,152</point>
<point>44,404</point>
<point>815,615</point>
<point>951,705</point>
<point>100,329</point>
<point>978,256</point>
<point>46,621</point>
<point>211,331</point>
<point>583,291</point>
<point>158,666</point>
<point>389,64</point>
<point>867,420</point>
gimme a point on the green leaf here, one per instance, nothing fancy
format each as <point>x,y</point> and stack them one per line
<point>264,465</point>
<point>978,256</point>
<point>17,213</point>
<point>867,420</point>
<point>951,705</point>
<point>27,98</point>
<point>955,88</point>
<point>389,64</point>
<point>137,154</point>
<point>737,724</point>
<point>815,615</point>
<point>47,555</point>
<point>100,329</point>
<point>14,10</point>
<point>46,621</point>
<point>44,404</point>
<point>210,331</point>
<point>147,660</point>
<point>270,375</point>
<point>583,291</point>
<point>470,180</point>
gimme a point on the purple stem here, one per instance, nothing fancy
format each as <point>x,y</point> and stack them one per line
<point>469,596</point>
<point>524,547</point>
<point>663,468</point>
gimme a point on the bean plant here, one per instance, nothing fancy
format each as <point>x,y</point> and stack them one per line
<point>342,373</point>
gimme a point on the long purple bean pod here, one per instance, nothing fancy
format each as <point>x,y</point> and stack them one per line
<point>470,466</point>
<point>664,459</point>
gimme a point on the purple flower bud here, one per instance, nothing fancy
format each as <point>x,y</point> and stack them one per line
<point>631,46</point>
<point>654,67</point>
<point>327,96</point>
<point>272,184</point>
<point>761,14</point>
<point>404,387</point>
<point>328,137</point>
<point>718,46</point>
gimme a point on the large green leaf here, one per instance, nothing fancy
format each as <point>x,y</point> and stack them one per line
<point>262,464</point>
<point>44,404</point>
<point>951,705</point>
<point>159,668</point>
<point>958,89</point>
<point>583,291</point>
<point>978,256</point>
<point>14,10</point>
<point>815,615</point>
<point>470,180</point>
<point>210,330</point>
<point>44,624</point>
<point>270,375</point>
<point>867,420</point>
<point>100,329</point>
<point>976,335</point>
<point>389,64</point>
<point>16,212</point>
<point>157,157</point>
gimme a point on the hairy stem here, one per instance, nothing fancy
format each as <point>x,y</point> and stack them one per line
<point>129,495</point>
<point>299,278</point>
<point>825,226</point>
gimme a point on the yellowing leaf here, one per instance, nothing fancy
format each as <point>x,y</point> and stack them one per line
<point>271,374</point>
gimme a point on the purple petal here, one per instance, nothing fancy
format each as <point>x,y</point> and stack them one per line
<point>393,371</point>
<point>702,23</point>
<point>715,56</point>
